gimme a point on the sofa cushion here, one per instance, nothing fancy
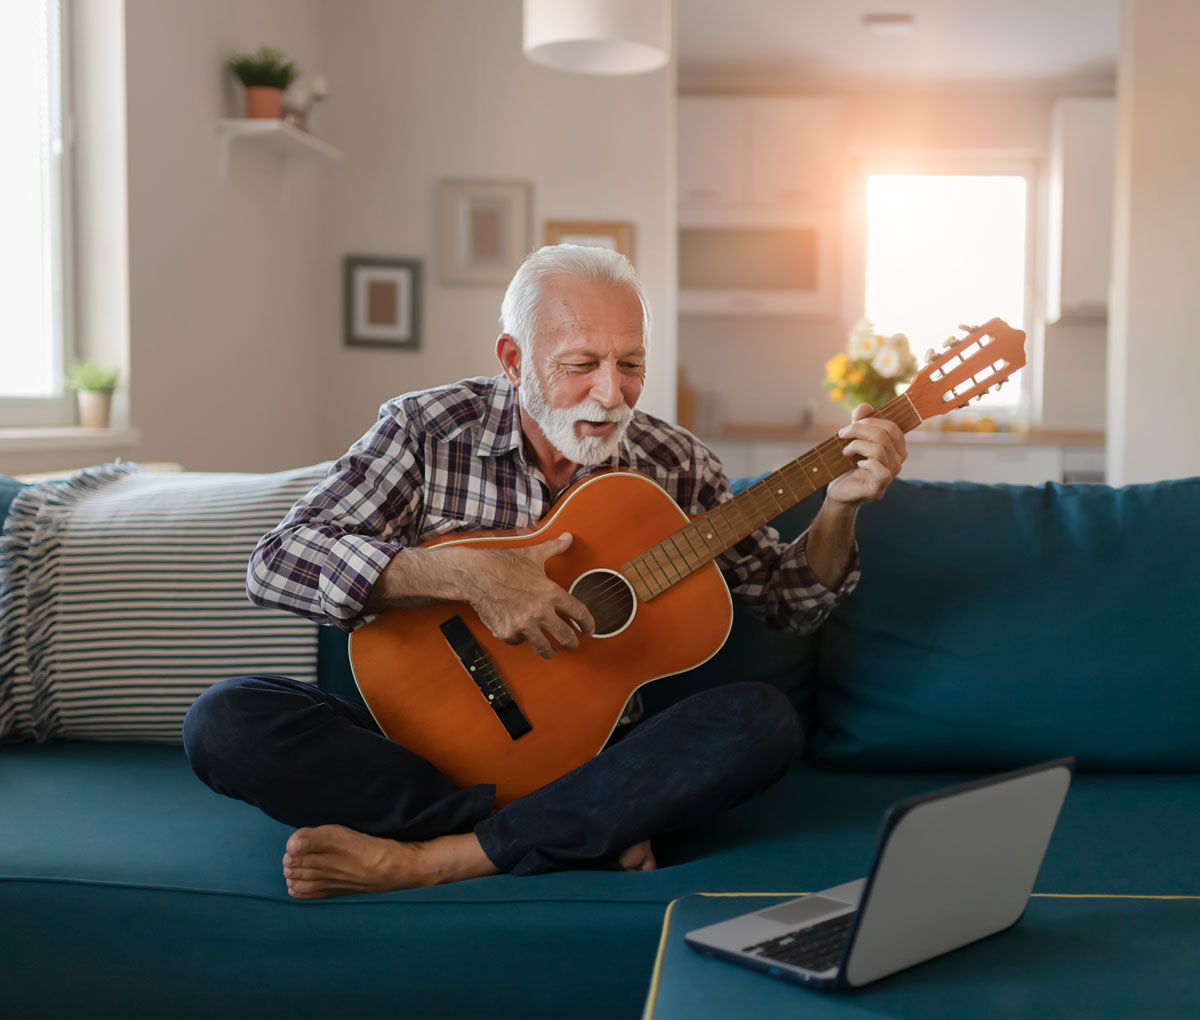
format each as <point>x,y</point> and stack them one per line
<point>9,487</point>
<point>14,706</point>
<point>998,625</point>
<point>117,858</point>
<point>127,591</point>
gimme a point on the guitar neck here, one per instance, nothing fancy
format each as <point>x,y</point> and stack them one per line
<point>704,539</point>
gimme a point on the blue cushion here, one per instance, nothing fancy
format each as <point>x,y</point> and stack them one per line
<point>117,857</point>
<point>9,487</point>
<point>999,625</point>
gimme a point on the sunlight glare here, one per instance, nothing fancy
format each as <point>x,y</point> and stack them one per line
<point>944,250</point>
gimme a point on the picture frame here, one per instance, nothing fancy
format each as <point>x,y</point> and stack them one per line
<point>614,234</point>
<point>483,230</point>
<point>381,301</point>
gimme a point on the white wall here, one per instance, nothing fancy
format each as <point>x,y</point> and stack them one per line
<point>223,339</point>
<point>428,91</point>
<point>234,358</point>
<point>1154,356</point>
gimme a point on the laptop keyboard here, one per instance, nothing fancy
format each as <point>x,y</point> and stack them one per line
<point>816,947</point>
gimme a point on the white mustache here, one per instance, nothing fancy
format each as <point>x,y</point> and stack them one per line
<point>595,414</point>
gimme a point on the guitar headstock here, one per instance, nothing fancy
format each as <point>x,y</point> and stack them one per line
<point>967,368</point>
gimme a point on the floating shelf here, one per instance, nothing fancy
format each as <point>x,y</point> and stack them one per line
<point>291,144</point>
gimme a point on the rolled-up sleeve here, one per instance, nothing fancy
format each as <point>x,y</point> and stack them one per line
<point>770,576</point>
<point>327,553</point>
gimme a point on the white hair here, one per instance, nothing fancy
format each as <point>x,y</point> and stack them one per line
<point>518,311</point>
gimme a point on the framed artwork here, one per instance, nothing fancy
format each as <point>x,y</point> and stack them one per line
<point>382,302</point>
<point>614,234</point>
<point>482,230</point>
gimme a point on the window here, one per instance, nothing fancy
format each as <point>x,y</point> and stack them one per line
<point>944,249</point>
<point>34,186</point>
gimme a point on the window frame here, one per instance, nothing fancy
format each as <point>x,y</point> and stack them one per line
<point>945,162</point>
<point>59,408</point>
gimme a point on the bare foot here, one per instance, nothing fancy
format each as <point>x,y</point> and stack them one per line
<point>638,858</point>
<point>331,860</point>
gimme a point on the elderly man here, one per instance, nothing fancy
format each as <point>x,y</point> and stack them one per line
<point>496,453</point>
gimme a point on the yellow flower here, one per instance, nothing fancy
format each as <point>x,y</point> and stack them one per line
<point>836,395</point>
<point>855,377</point>
<point>835,368</point>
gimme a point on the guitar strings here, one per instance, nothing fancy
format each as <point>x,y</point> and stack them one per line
<point>612,591</point>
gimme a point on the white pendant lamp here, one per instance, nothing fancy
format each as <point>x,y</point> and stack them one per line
<point>599,36</point>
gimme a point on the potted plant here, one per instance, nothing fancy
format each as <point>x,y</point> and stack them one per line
<point>93,385</point>
<point>265,75</point>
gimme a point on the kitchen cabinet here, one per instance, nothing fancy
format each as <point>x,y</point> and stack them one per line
<point>781,153</point>
<point>1081,194</point>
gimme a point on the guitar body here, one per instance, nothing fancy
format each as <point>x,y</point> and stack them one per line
<point>414,666</point>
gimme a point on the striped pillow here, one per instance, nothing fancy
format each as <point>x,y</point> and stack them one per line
<point>124,597</point>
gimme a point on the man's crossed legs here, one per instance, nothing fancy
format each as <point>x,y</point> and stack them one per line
<point>372,816</point>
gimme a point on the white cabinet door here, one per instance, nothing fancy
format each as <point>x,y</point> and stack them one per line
<point>774,153</point>
<point>933,463</point>
<point>713,151</point>
<point>795,151</point>
<point>1027,465</point>
<point>1082,157</point>
<point>1015,465</point>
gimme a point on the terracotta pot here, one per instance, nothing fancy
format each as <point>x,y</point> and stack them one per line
<point>94,408</point>
<point>264,102</point>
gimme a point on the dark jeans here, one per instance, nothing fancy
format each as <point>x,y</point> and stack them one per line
<point>308,758</point>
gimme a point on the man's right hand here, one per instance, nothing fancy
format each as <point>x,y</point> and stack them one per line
<point>508,588</point>
<point>517,601</point>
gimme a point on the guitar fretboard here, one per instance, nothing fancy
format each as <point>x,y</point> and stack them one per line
<point>704,539</point>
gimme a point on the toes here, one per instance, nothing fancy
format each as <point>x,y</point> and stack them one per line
<point>299,841</point>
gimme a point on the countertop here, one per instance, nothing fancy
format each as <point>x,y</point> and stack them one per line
<point>749,432</point>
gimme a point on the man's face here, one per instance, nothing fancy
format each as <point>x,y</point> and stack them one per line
<point>587,366</point>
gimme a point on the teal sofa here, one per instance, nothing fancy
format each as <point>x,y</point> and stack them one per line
<point>994,626</point>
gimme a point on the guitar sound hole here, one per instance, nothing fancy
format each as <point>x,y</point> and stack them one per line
<point>609,598</point>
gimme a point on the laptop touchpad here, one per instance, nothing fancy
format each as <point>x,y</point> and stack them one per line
<point>811,908</point>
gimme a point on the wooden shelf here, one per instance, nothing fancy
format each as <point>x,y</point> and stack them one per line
<point>289,143</point>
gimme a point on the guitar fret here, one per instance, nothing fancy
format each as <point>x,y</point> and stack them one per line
<point>669,565</point>
<point>717,517</point>
<point>702,553</point>
<point>633,571</point>
<point>681,554</point>
<point>648,558</point>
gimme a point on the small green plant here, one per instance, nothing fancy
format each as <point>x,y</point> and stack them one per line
<point>87,375</point>
<point>267,67</point>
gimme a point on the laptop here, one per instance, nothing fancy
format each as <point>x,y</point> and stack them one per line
<point>951,867</point>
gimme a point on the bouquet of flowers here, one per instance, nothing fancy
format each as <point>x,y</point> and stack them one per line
<point>870,368</point>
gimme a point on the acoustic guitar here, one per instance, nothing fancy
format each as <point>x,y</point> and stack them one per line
<point>439,683</point>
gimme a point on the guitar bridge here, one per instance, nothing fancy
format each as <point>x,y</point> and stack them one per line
<point>479,667</point>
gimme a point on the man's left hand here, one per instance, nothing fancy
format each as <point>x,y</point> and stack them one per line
<point>878,450</point>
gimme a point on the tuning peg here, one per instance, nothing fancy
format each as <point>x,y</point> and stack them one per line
<point>930,355</point>
<point>950,341</point>
<point>969,329</point>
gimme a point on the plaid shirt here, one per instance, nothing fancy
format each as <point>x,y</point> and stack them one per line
<point>452,459</point>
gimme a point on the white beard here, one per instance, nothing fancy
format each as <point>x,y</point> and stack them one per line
<point>558,423</point>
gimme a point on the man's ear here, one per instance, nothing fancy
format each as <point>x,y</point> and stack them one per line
<point>509,354</point>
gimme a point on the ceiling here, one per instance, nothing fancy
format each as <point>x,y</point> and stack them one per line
<point>973,40</point>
